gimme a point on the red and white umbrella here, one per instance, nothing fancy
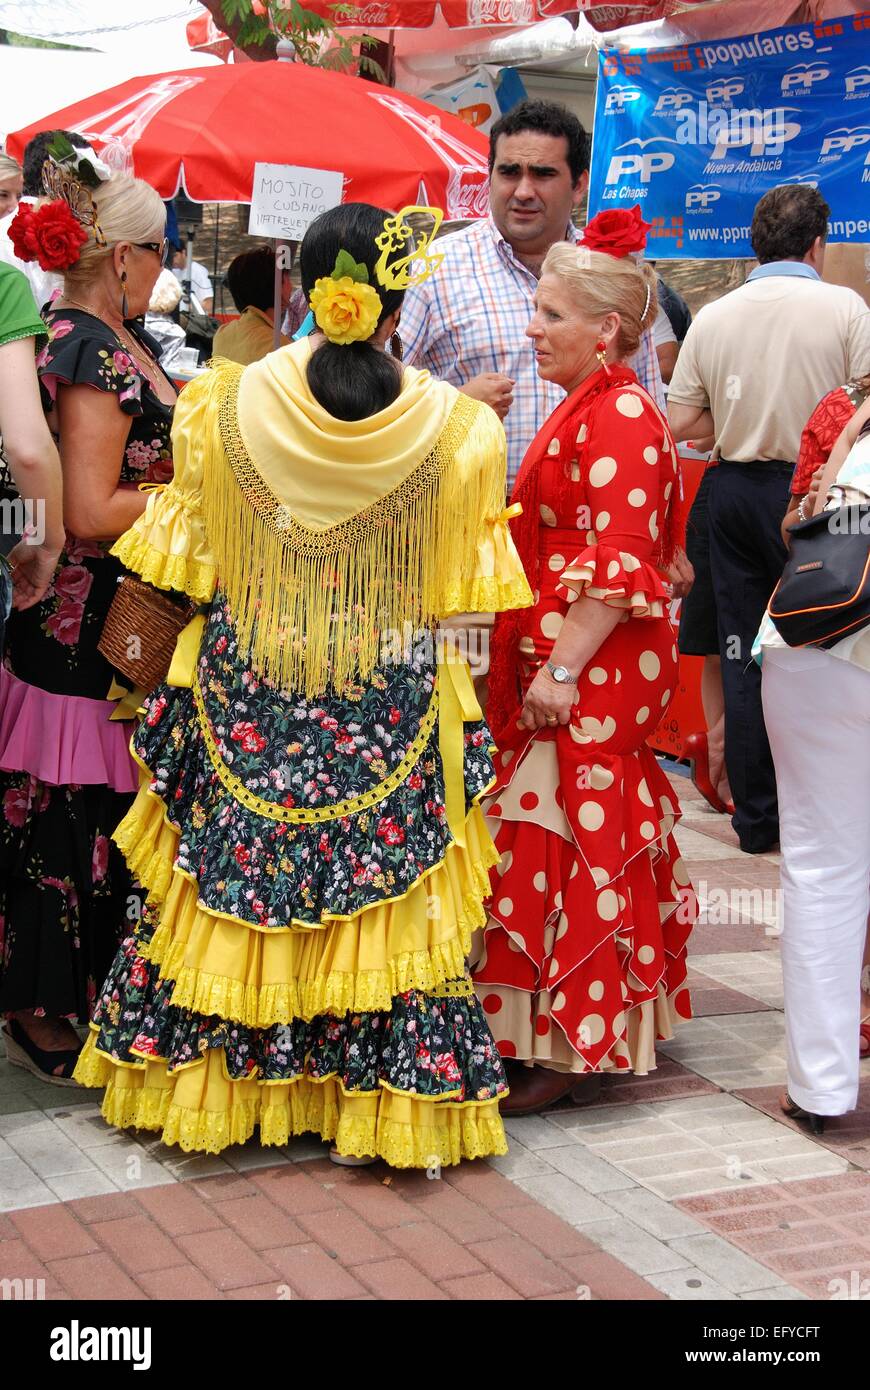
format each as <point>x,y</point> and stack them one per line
<point>206,128</point>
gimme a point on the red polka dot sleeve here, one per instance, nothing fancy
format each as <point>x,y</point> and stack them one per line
<point>629,468</point>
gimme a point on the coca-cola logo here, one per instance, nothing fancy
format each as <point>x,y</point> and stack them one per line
<point>501,12</point>
<point>378,16</point>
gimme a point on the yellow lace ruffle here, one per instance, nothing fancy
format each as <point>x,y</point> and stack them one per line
<point>259,977</point>
<point>137,551</point>
<point>498,581</point>
<point>200,1109</point>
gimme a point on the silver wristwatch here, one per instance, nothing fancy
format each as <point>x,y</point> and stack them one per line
<point>561,674</point>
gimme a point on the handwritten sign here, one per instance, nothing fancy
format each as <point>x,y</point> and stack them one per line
<point>286,199</point>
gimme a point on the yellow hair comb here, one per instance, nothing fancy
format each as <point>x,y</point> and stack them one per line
<point>399,235</point>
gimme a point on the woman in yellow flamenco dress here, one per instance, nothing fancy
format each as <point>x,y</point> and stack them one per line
<point>308,834</point>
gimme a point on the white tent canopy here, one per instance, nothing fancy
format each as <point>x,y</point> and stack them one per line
<point>36,81</point>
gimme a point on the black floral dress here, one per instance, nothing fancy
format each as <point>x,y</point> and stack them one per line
<point>66,776</point>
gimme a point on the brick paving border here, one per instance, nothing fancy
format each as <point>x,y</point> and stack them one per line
<point>312,1230</point>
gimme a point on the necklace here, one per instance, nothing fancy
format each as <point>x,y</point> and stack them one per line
<point>126,339</point>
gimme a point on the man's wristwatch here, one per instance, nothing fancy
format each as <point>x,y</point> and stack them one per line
<point>561,675</point>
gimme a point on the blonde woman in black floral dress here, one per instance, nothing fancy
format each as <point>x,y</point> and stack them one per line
<point>66,775</point>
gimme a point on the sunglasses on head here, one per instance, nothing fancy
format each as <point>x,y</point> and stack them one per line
<point>160,248</point>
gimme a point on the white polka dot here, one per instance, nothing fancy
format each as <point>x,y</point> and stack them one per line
<point>554,969</point>
<point>636,497</point>
<point>629,405</point>
<point>591,815</point>
<point>642,715</point>
<point>515,946</point>
<point>602,520</point>
<point>621,903</point>
<point>666,695</point>
<point>650,666</point>
<point>600,730</point>
<point>596,990</point>
<point>650,454</point>
<point>575,472</point>
<point>505,758</point>
<point>653,526</point>
<point>553,446</point>
<point>602,471</point>
<point>613,569</point>
<point>551,624</point>
<point>557,900</point>
<point>600,778</point>
<point>618,1026</point>
<point>646,955</point>
<point>630,563</point>
<point>540,882</point>
<point>581,434</point>
<point>608,905</point>
<point>556,562</point>
<point>558,1003</point>
<point>505,907</point>
<point>599,876</point>
<point>505,862</point>
<point>669,487</point>
<point>617,676</point>
<point>575,869</point>
<point>644,793</point>
<point>591,1030</point>
<point>598,675</point>
<point>562,925</point>
<point>548,516</point>
<point>648,830</point>
<point>591,537</point>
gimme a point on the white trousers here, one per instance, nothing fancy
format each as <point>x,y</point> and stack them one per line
<point>817,712</point>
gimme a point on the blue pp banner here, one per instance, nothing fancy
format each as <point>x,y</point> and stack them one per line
<point>696,134</point>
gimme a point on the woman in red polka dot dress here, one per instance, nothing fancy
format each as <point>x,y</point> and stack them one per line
<point>582,964</point>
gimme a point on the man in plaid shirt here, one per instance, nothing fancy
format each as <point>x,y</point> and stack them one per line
<point>467,323</point>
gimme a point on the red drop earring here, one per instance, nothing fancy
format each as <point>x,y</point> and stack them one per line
<point>601,352</point>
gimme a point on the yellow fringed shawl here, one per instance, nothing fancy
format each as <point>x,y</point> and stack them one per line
<point>312,605</point>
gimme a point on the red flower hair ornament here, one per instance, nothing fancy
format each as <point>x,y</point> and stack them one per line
<point>617,232</point>
<point>49,234</point>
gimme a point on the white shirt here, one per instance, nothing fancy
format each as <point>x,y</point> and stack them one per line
<point>199,279</point>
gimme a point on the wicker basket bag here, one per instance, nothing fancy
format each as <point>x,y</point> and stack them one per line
<point>140,632</point>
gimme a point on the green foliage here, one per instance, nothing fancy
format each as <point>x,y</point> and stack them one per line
<point>316,40</point>
<point>346,265</point>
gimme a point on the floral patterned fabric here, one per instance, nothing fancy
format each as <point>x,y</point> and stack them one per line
<point>270,875</point>
<point>434,1047</point>
<point>62,917</point>
<point>305,755</point>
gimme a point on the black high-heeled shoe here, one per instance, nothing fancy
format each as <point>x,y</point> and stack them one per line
<point>797,1112</point>
<point>22,1051</point>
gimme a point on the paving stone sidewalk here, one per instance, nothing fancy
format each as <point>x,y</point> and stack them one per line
<point>686,1184</point>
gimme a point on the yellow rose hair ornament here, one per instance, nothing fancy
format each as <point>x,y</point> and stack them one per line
<point>345,306</point>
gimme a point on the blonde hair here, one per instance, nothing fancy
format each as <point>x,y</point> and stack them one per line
<point>166,294</point>
<point>600,284</point>
<point>127,210</point>
<point>10,168</point>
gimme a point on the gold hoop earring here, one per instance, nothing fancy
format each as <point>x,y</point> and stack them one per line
<point>125,308</point>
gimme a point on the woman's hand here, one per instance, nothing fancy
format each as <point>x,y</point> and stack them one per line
<point>547,702</point>
<point>813,492</point>
<point>681,573</point>
<point>33,569</point>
